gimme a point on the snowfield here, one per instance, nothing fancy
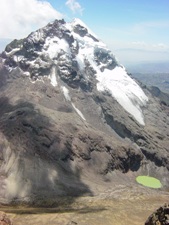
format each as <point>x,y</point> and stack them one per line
<point>125,90</point>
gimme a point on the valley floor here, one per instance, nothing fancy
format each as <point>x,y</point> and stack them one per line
<point>118,207</point>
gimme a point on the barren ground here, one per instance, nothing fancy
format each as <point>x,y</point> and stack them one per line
<point>115,206</point>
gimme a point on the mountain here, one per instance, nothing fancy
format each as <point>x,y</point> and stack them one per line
<point>149,67</point>
<point>72,120</point>
<point>160,80</point>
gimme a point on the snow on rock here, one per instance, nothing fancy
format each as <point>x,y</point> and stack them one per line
<point>18,58</point>
<point>87,40</point>
<point>66,93</point>
<point>26,73</point>
<point>12,52</point>
<point>52,77</point>
<point>78,112</point>
<point>80,61</point>
<point>54,45</point>
<point>51,47</point>
<point>36,36</point>
<point>124,89</point>
<point>77,21</point>
<point>68,98</point>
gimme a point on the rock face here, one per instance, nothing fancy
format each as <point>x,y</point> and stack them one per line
<point>164,97</point>
<point>71,117</point>
<point>4,219</point>
<point>160,216</point>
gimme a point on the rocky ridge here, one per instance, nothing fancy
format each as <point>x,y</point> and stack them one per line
<point>72,118</point>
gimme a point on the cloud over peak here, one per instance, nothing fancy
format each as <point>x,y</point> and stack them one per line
<point>74,6</point>
<point>19,17</point>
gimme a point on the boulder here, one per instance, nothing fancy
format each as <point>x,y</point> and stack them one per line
<point>159,217</point>
<point>4,219</point>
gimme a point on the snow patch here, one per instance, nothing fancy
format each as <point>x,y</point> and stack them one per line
<point>18,58</point>
<point>66,94</point>
<point>52,77</point>
<point>68,98</point>
<point>64,46</point>
<point>124,89</point>
<point>53,47</point>
<point>78,112</point>
<point>26,73</point>
<point>12,52</point>
<point>80,60</point>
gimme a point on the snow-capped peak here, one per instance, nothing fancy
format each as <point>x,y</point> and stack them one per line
<point>72,52</point>
<point>77,21</point>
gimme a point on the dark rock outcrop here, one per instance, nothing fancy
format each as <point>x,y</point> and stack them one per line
<point>159,217</point>
<point>164,97</point>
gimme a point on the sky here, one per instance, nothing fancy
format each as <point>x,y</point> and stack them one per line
<point>135,31</point>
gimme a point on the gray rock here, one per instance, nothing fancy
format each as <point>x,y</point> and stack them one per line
<point>160,216</point>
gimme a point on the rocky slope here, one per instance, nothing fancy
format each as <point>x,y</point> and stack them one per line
<point>72,121</point>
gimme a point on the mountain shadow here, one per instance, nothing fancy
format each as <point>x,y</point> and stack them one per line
<point>36,161</point>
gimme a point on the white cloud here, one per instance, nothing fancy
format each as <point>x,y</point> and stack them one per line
<point>144,27</point>
<point>156,24</point>
<point>20,17</point>
<point>161,45</point>
<point>74,6</point>
<point>132,56</point>
<point>139,43</point>
<point>139,50</point>
<point>149,46</point>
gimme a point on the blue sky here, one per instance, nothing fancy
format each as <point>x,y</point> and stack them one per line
<point>134,30</point>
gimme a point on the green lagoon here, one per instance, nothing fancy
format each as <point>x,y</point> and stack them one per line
<point>149,181</point>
